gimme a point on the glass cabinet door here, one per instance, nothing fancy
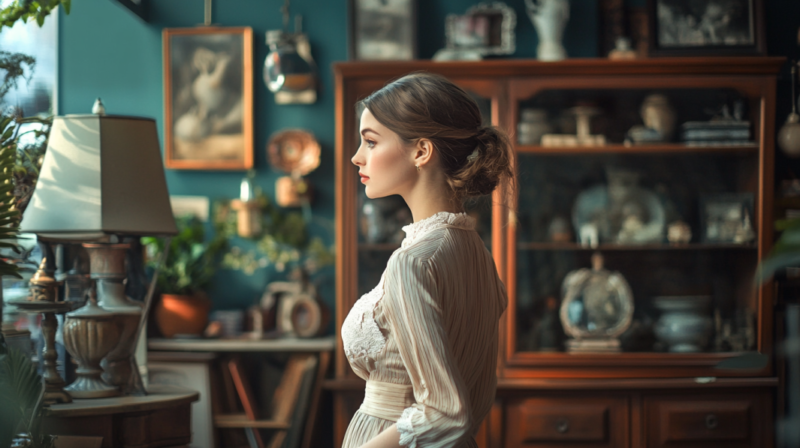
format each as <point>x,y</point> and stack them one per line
<point>636,229</point>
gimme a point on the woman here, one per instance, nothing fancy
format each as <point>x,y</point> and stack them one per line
<point>425,338</point>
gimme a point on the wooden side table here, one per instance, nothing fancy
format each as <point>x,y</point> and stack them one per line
<point>160,419</point>
<point>301,431</point>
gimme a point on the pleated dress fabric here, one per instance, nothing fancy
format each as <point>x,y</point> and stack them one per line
<point>425,339</point>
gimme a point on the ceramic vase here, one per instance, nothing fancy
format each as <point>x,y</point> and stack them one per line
<point>182,314</point>
<point>90,333</point>
<point>549,17</point>
<point>685,324</point>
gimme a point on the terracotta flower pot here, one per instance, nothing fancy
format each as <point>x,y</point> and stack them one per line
<point>180,314</point>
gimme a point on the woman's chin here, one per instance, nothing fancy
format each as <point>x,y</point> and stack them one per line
<point>373,194</point>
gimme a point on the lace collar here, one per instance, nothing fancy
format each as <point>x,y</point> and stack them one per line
<point>441,219</point>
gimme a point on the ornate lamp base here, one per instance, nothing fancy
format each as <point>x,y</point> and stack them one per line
<point>90,333</point>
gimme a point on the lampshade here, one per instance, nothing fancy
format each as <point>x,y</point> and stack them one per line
<point>101,175</point>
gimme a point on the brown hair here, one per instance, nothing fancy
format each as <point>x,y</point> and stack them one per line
<point>475,158</point>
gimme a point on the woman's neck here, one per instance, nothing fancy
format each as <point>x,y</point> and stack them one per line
<point>429,197</point>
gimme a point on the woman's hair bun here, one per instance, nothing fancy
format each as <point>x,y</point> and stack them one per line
<point>488,164</point>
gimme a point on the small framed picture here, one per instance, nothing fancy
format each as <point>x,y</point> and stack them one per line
<point>383,29</point>
<point>727,218</point>
<point>487,28</point>
<point>706,27</point>
<point>208,98</point>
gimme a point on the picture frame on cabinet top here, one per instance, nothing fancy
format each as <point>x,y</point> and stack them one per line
<point>383,30</point>
<point>487,28</point>
<point>706,27</point>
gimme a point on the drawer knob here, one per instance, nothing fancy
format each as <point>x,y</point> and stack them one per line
<point>711,421</point>
<point>562,426</point>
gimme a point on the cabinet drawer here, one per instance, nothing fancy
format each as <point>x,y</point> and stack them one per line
<point>574,422</point>
<point>706,421</point>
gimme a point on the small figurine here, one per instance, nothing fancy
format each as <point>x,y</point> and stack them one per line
<point>679,233</point>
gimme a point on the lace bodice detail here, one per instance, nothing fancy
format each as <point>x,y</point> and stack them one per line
<point>360,334</point>
<point>416,230</point>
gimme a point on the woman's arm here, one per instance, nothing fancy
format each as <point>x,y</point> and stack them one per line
<point>389,438</point>
<point>412,306</point>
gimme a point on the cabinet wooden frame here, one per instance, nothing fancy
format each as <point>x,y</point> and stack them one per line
<point>506,82</point>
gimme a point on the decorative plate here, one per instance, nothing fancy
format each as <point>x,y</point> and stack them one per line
<point>294,151</point>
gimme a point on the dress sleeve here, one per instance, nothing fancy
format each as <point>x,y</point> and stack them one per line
<point>440,417</point>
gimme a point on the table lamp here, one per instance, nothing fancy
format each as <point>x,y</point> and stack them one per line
<point>102,178</point>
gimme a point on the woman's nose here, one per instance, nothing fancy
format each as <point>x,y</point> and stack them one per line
<point>356,161</point>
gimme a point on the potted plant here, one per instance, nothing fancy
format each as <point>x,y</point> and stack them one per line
<point>184,277</point>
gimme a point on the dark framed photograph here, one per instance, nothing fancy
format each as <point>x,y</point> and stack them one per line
<point>208,98</point>
<point>727,218</point>
<point>706,27</point>
<point>383,29</point>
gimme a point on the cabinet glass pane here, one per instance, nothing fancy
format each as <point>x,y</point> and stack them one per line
<point>674,227</point>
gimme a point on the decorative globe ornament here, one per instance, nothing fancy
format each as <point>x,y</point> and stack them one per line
<point>596,309</point>
<point>789,134</point>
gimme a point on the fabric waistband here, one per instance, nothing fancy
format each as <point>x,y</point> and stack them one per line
<point>386,400</point>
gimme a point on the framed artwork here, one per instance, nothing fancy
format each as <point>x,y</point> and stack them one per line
<point>706,27</point>
<point>383,29</point>
<point>487,28</point>
<point>208,98</point>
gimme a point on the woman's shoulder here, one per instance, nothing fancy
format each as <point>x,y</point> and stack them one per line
<point>435,242</point>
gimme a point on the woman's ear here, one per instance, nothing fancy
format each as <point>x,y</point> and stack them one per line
<point>423,152</point>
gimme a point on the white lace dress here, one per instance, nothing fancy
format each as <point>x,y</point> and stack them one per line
<point>425,338</point>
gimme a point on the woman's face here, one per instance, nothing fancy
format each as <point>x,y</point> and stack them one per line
<point>384,163</point>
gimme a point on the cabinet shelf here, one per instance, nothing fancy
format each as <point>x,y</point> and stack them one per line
<point>661,148</point>
<point>631,247</point>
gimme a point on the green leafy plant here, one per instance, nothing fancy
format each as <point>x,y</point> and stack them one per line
<point>21,395</point>
<point>785,253</point>
<point>9,215</point>
<point>282,242</point>
<point>26,10</point>
<point>14,67</point>
<point>191,261</point>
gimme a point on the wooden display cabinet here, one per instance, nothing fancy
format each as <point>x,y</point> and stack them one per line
<point>643,394</point>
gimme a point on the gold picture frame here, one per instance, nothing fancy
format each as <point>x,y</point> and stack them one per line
<point>208,98</point>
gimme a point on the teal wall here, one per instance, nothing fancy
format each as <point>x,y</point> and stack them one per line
<point>105,51</point>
